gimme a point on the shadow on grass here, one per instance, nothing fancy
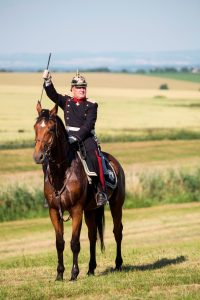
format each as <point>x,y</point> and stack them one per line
<point>159,264</point>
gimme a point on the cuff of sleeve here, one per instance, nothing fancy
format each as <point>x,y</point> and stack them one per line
<point>47,82</point>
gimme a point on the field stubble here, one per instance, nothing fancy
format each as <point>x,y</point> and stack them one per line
<point>161,244</point>
<point>126,102</point>
<point>153,268</point>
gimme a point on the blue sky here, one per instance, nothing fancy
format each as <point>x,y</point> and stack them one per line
<point>43,26</point>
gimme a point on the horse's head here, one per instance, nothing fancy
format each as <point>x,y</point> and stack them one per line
<point>45,132</point>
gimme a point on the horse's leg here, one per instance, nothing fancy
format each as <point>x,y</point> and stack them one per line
<point>92,235</point>
<point>116,211</point>
<point>60,243</point>
<point>76,215</point>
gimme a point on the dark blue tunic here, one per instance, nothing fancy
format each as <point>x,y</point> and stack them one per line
<point>81,116</point>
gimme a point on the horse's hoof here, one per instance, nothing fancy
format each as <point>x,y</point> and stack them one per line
<point>59,277</point>
<point>90,273</point>
<point>72,279</point>
<point>118,268</point>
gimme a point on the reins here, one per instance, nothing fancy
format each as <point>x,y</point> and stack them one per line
<point>58,197</point>
<point>47,154</point>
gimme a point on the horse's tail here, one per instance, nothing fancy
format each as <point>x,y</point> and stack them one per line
<point>100,222</point>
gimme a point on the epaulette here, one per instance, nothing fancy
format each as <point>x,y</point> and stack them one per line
<point>69,98</point>
<point>91,100</point>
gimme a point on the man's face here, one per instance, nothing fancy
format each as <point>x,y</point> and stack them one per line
<point>79,92</point>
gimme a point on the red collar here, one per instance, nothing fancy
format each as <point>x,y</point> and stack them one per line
<point>79,100</point>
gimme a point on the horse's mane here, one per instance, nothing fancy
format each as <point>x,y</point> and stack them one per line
<point>45,114</point>
<point>59,120</point>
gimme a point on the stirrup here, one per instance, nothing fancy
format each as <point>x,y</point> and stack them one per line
<point>101,198</point>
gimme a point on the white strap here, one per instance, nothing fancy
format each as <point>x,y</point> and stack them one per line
<point>70,128</point>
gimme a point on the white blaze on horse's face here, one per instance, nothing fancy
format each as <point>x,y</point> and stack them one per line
<point>43,124</point>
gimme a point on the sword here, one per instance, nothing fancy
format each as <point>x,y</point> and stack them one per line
<point>47,68</point>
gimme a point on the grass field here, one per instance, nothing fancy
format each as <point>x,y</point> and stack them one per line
<point>160,253</point>
<point>191,77</point>
<point>161,244</point>
<point>17,165</point>
<point>126,103</point>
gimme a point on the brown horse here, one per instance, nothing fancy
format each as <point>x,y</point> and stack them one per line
<point>66,188</point>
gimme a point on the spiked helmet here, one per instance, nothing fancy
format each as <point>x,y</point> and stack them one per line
<point>78,80</point>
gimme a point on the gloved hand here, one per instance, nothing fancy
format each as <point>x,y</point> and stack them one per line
<point>72,139</point>
<point>46,76</point>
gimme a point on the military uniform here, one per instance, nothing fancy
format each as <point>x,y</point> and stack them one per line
<point>80,116</point>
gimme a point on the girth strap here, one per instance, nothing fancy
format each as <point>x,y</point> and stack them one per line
<point>58,200</point>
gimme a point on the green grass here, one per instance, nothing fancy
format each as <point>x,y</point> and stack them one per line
<point>150,134</point>
<point>150,189</point>
<point>124,135</point>
<point>153,268</point>
<point>154,152</point>
<point>156,173</point>
<point>164,187</point>
<point>21,203</point>
<point>21,160</point>
<point>178,76</point>
<point>17,160</point>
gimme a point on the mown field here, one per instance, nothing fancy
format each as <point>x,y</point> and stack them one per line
<point>161,243</point>
<point>130,107</point>
<point>128,104</point>
<point>160,253</point>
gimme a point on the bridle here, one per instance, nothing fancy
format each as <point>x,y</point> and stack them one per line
<point>48,145</point>
<point>47,155</point>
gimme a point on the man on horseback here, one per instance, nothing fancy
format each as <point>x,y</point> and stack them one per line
<point>80,114</point>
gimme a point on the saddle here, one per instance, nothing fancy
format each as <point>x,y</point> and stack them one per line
<point>108,170</point>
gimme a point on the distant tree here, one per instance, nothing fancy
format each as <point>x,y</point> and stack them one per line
<point>140,71</point>
<point>100,69</point>
<point>164,86</point>
<point>170,70</point>
<point>124,71</point>
<point>163,70</point>
<point>185,70</point>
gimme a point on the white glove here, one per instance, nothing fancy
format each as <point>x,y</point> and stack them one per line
<point>72,139</point>
<point>47,76</point>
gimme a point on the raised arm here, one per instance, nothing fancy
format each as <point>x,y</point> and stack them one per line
<point>51,91</point>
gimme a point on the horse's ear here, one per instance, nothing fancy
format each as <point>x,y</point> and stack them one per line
<point>39,107</point>
<point>54,111</point>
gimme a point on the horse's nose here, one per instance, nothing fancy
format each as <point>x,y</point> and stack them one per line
<point>38,157</point>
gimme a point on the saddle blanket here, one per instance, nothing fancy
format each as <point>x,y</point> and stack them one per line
<point>109,172</point>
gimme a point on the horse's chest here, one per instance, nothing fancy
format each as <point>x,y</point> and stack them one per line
<point>72,191</point>
<point>67,196</point>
